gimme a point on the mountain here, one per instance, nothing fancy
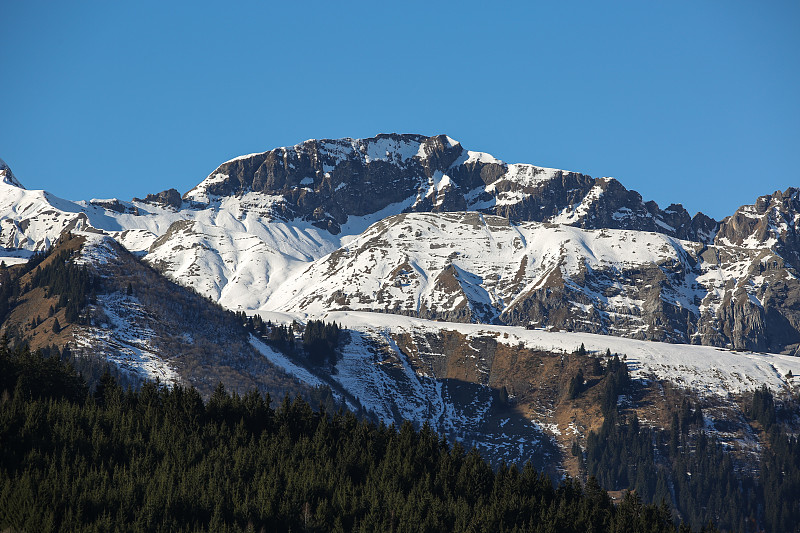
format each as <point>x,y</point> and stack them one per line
<point>419,227</point>
<point>94,297</point>
<point>533,313</point>
<point>471,267</point>
<point>328,181</point>
<point>7,176</point>
<point>33,220</point>
<point>284,229</point>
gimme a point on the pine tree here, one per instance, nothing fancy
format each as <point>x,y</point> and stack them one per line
<point>576,385</point>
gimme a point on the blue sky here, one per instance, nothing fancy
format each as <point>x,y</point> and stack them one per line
<point>691,102</point>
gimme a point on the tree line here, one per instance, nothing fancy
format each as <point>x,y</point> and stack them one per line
<point>319,340</point>
<point>161,459</point>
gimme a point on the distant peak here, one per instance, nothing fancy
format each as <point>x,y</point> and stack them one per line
<point>7,176</point>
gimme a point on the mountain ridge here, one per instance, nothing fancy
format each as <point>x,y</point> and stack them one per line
<point>258,223</point>
<point>325,181</point>
<point>7,176</point>
<point>130,316</point>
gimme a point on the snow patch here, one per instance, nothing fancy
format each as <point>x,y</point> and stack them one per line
<point>280,360</point>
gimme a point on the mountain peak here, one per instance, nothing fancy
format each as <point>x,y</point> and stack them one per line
<point>314,160</point>
<point>326,181</point>
<point>6,176</point>
<point>772,221</point>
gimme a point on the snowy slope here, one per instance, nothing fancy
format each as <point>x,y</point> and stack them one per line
<point>396,264</point>
<point>471,267</point>
<point>703,368</point>
<point>33,220</point>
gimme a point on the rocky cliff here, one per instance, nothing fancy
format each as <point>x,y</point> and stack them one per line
<point>327,181</point>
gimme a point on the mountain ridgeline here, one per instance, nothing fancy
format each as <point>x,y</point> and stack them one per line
<point>327,181</point>
<point>270,231</point>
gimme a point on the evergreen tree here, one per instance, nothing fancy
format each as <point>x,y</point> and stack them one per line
<point>576,385</point>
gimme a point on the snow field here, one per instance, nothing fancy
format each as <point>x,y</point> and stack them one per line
<point>708,369</point>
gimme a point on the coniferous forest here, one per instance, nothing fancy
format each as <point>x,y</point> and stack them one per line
<point>685,465</point>
<point>161,459</point>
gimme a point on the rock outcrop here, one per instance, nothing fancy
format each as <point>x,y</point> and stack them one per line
<point>327,181</point>
<point>6,176</point>
<point>169,198</point>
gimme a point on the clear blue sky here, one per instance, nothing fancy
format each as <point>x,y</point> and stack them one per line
<point>692,102</point>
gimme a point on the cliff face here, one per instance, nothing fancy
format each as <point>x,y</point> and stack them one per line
<point>761,310</point>
<point>327,181</point>
<point>772,221</point>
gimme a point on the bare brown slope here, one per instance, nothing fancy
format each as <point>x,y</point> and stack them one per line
<point>534,385</point>
<point>199,340</point>
<point>31,318</point>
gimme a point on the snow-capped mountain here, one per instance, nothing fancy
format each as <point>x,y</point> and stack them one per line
<point>421,226</point>
<point>328,181</point>
<point>472,267</point>
<point>500,303</point>
<point>6,176</point>
<point>463,284</point>
<point>33,220</point>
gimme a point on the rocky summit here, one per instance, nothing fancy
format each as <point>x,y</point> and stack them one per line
<point>327,181</point>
